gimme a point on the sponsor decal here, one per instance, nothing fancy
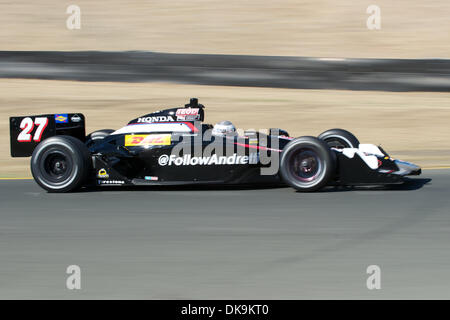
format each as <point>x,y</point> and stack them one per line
<point>110,182</point>
<point>155,119</point>
<point>147,140</point>
<point>75,118</point>
<point>61,118</point>
<point>27,126</point>
<point>150,178</point>
<point>188,114</point>
<point>102,174</point>
<point>188,160</point>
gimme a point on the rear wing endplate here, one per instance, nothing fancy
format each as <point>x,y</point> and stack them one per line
<point>27,132</point>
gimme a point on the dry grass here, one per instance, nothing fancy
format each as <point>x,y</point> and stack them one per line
<point>411,125</point>
<point>325,28</point>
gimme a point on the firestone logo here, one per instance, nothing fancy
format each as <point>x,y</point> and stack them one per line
<point>188,160</point>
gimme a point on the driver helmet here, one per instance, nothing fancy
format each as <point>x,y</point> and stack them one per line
<point>224,128</point>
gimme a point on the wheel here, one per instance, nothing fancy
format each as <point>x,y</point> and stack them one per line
<point>96,136</point>
<point>339,138</point>
<point>60,164</point>
<point>307,164</point>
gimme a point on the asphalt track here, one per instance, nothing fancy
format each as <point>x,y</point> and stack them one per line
<point>230,70</point>
<point>215,243</point>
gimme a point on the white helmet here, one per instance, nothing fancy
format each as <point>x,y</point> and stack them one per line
<point>224,128</point>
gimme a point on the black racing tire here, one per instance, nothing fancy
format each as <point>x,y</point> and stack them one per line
<point>61,164</point>
<point>307,164</point>
<point>96,136</point>
<point>339,138</point>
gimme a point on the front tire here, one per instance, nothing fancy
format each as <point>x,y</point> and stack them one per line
<point>307,164</point>
<point>60,164</point>
<point>339,139</point>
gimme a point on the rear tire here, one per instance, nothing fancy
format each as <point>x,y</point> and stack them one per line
<point>307,164</point>
<point>60,164</point>
<point>339,138</point>
<point>96,136</point>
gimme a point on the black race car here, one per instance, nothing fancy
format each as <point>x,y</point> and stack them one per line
<point>175,147</point>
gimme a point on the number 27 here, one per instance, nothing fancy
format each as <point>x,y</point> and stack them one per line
<point>27,126</point>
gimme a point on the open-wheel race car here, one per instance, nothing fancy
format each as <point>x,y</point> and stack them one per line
<point>175,147</point>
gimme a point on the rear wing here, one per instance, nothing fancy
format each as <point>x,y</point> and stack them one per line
<point>28,131</point>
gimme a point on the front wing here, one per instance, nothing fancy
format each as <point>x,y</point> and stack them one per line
<point>371,165</point>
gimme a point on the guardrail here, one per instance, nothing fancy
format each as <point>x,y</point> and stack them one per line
<point>230,70</point>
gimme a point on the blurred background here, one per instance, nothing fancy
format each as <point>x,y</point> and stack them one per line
<point>411,125</point>
<point>316,28</point>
